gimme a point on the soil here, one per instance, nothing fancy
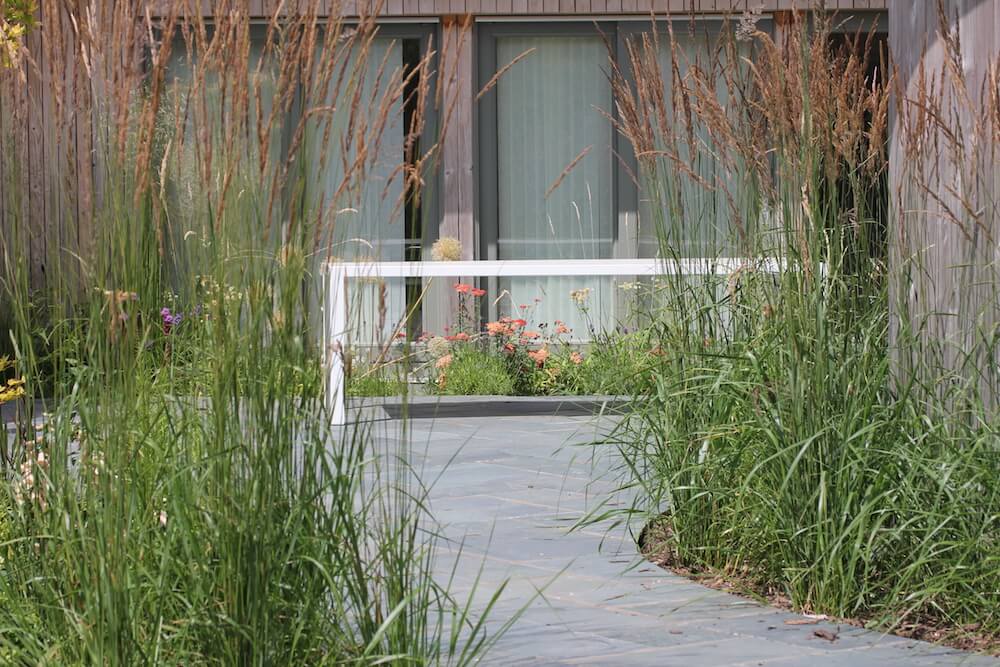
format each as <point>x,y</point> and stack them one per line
<point>656,544</point>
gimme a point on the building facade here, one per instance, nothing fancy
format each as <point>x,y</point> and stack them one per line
<point>530,166</point>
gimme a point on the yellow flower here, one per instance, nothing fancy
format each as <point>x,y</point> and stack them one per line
<point>13,389</point>
<point>10,43</point>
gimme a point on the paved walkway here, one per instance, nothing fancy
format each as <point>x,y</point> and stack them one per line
<point>509,487</point>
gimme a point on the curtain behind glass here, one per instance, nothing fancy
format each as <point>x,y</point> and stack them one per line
<point>367,222</point>
<point>197,112</point>
<point>549,109</point>
<point>703,229</point>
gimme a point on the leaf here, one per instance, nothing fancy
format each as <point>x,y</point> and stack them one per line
<point>826,634</point>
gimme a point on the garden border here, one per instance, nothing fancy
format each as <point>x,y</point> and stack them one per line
<point>337,273</point>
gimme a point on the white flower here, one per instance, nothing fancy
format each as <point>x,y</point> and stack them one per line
<point>446,249</point>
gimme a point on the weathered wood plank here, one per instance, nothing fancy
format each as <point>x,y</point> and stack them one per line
<point>457,204</point>
<point>35,163</point>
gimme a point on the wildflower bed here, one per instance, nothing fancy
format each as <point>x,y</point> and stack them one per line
<point>510,356</point>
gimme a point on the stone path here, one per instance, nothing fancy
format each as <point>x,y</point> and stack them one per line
<point>507,489</point>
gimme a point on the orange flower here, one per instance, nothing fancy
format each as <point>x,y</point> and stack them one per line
<point>508,348</point>
<point>443,362</point>
<point>530,335</point>
<point>462,288</point>
<point>576,358</point>
<point>476,292</point>
<point>519,323</point>
<point>562,328</point>
<point>500,328</point>
<point>539,356</point>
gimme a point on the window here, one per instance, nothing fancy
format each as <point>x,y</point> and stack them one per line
<point>378,221</point>
<point>374,219</point>
<point>556,180</point>
<point>547,158</point>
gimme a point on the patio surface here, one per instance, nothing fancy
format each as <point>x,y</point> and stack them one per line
<point>508,487</point>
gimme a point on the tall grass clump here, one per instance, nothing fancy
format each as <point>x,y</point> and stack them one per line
<point>781,446</point>
<point>184,499</point>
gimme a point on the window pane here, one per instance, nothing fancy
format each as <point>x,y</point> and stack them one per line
<point>367,219</point>
<point>549,109</point>
<point>691,209</point>
<point>198,105</point>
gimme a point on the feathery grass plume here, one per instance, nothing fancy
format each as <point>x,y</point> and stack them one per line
<point>775,448</point>
<point>198,508</point>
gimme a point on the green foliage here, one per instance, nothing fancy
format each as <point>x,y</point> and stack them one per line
<point>474,371</point>
<point>375,382</point>
<point>187,501</point>
<point>777,445</point>
<point>784,459</point>
<point>17,17</point>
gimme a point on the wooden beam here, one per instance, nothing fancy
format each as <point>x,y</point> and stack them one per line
<point>455,80</point>
<point>457,197</point>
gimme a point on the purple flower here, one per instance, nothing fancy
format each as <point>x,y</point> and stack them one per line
<point>168,319</point>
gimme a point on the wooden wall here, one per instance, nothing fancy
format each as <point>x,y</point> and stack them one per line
<point>83,59</point>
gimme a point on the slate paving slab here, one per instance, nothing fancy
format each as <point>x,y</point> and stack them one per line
<point>508,488</point>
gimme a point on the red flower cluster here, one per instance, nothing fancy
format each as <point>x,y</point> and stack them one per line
<point>505,326</point>
<point>465,288</point>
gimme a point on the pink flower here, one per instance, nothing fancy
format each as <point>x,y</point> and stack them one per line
<point>539,356</point>
<point>519,323</point>
<point>476,292</point>
<point>530,335</point>
<point>460,336</point>
<point>462,288</point>
<point>562,328</point>
<point>443,362</point>
<point>499,328</point>
<point>576,358</point>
